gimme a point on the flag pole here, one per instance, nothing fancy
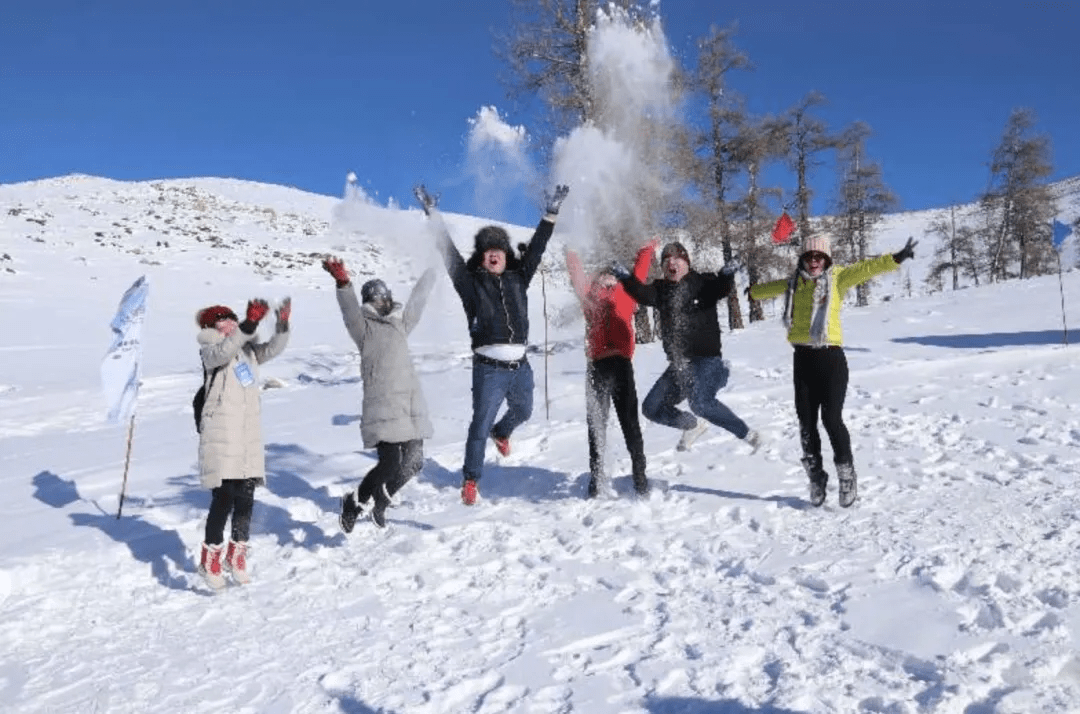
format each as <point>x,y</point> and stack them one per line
<point>547,399</point>
<point>127,463</point>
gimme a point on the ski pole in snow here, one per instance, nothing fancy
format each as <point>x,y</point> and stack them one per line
<point>1061,289</point>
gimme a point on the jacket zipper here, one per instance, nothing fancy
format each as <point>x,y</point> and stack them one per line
<point>506,310</point>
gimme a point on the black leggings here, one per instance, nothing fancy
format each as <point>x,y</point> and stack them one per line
<point>398,462</point>
<point>821,378</point>
<point>235,496</point>
<point>611,380</point>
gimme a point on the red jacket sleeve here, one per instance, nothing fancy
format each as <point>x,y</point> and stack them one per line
<point>577,275</point>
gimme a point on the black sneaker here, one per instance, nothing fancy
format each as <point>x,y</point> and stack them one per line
<point>378,512</point>
<point>349,512</point>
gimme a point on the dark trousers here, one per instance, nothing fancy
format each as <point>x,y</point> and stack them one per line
<point>611,381</point>
<point>491,386</point>
<point>235,497</point>
<point>821,378</point>
<point>398,462</point>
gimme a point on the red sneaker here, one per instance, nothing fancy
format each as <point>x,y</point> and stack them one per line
<point>468,492</point>
<point>503,445</point>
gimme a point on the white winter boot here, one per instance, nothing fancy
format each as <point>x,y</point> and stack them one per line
<point>236,562</point>
<point>210,566</point>
<point>689,436</point>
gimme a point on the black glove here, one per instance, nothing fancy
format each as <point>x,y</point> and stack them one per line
<point>619,271</point>
<point>908,251</point>
<point>731,267</point>
<point>427,201</point>
<point>747,290</point>
<point>553,201</point>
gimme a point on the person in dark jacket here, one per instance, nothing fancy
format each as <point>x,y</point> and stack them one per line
<point>609,346</point>
<point>394,418</point>
<point>686,301</point>
<point>492,285</point>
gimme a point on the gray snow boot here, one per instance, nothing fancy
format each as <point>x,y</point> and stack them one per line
<point>849,488</point>
<point>818,479</point>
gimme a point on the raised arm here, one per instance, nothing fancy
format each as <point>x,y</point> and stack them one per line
<point>455,264</point>
<point>414,307</point>
<point>851,275</point>
<point>221,353</point>
<point>766,291</point>
<point>577,274</point>
<point>530,262</point>
<point>346,297</point>
<point>265,351</point>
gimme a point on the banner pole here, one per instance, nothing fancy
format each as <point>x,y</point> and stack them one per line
<point>127,463</point>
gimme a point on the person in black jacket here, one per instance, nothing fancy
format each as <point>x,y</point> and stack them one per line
<point>690,333</point>
<point>492,286</point>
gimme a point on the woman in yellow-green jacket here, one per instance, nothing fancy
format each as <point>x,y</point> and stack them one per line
<point>812,301</point>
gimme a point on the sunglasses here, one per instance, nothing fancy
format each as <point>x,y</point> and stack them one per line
<point>816,257</point>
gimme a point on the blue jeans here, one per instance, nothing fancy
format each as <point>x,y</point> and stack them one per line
<point>697,381</point>
<point>491,385</point>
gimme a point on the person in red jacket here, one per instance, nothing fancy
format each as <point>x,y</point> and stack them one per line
<point>609,346</point>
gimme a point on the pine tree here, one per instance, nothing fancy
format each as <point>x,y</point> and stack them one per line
<point>1018,204</point>
<point>807,136</point>
<point>863,201</point>
<point>957,252</point>
<point>716,147</point>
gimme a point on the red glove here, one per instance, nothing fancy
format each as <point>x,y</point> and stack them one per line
<point>257,309</point>
<point>336,268</point>
<point>284,310</point>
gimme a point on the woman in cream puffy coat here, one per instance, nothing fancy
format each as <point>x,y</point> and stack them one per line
<point>231,455</point>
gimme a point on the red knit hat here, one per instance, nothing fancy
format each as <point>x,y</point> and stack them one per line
<point>209,316</point>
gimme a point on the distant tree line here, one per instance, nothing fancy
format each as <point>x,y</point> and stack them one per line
<point>718,151</point>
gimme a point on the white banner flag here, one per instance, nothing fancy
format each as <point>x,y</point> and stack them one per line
<point>122,367</point>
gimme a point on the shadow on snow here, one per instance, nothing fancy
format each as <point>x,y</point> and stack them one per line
<point>789,501</point>
<point>988,340</point>
<point>529,483</point>
<point>685,705</point>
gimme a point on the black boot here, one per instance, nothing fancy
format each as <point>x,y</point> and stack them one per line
<point>641,484</point>
<point>350,511</point>
<point>818,479</point>
<point>849,487</point>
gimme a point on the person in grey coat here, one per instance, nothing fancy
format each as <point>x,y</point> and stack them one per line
<point>231,456</point>
<point>394,418</point>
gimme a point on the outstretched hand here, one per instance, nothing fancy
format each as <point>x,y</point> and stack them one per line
<point>619,270</point>
<point>257,309</point>
<point>336,268</point>
<point>908,251</point>
<point>427,201</point>
<point>284,310</point>
<point>553,201</point>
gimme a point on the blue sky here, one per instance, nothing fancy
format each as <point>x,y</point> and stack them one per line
<point>301,93</point>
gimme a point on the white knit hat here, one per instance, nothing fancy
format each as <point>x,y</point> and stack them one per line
<point>819,244</point>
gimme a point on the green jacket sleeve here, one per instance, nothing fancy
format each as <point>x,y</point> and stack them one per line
<point>849,276</point>
<point>765,291</point>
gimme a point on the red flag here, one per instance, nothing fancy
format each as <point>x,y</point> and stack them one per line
<point>783,229</point>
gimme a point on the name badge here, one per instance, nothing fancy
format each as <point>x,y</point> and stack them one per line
<point>243,373</point>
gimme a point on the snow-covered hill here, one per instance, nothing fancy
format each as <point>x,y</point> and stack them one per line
<point>951,587</point>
